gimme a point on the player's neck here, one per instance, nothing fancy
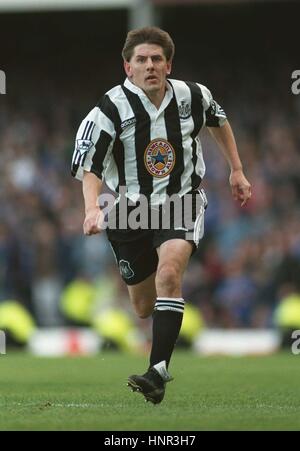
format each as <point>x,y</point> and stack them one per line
<point>156,97</point>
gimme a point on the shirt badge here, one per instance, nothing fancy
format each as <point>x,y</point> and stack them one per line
<point>184,110</point>
<point>84,145</point>
<point>159,158</point>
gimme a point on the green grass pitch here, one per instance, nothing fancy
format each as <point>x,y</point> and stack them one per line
<point>208,393</point>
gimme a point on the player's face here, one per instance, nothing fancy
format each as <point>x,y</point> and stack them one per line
<point>148,68</point>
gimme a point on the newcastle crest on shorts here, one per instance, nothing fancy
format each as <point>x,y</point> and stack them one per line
<point>125,269</point>
<point>159,158</point>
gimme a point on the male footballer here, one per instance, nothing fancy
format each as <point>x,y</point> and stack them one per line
<point>142,137</point>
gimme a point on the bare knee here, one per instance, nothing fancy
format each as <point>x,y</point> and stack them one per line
<point>168,279</point>
<point>143,296</point>
<point>143,307</point>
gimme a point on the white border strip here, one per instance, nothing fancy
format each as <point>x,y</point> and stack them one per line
<point>60,5</point>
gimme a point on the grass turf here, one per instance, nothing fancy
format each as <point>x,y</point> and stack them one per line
<point>208,393</point>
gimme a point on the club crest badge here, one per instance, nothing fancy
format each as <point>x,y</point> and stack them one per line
<point>159,158</point>
<point>184,110</point>
<point>125,269</point>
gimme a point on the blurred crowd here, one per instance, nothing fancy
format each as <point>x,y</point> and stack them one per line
<point>247,259</point>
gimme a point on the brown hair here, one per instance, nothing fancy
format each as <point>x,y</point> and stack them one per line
<point>148,35</point>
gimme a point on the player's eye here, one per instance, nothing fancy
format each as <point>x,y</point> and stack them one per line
<point>156,58</point>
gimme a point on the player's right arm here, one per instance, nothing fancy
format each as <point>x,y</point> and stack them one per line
<point>93,146</point>
<point>91,187</point>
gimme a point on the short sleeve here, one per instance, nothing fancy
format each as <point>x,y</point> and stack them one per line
<point>215,116</point>
<point>94,140</point>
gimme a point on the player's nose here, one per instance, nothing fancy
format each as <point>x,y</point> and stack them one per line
<point>149,63</point>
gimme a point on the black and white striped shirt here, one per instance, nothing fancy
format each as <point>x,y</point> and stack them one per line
<point>128,142</point>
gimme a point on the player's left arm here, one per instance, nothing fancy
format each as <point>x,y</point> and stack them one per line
<point>240,187</point>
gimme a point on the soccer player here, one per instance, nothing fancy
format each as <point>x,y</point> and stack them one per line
<point>142,137</point>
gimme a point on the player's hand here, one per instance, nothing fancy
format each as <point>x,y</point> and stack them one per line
<point>93,221</point>
<point>240,187</point>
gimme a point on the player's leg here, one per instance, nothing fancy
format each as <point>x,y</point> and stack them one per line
<point>174,256</point>
<point>143,296</point>
<point>175,246</point>
<point>173,259</point>
<point>167,318</point>
<point>137,261</point>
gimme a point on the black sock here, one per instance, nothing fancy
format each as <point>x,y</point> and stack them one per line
<point>167,319</point>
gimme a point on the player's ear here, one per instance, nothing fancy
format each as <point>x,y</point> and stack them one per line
<point>127,68</point>
<point>169,67</point>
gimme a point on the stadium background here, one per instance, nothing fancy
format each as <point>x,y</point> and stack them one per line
<point>58,64</point>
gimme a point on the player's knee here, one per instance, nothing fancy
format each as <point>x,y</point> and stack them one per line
<point>145,314</point>
<point>143,307</point>
<point>168,276</point>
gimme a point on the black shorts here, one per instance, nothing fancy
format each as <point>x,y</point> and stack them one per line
<point>135,249</point>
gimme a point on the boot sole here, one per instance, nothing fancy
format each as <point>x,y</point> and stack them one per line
<point>154,396</point>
